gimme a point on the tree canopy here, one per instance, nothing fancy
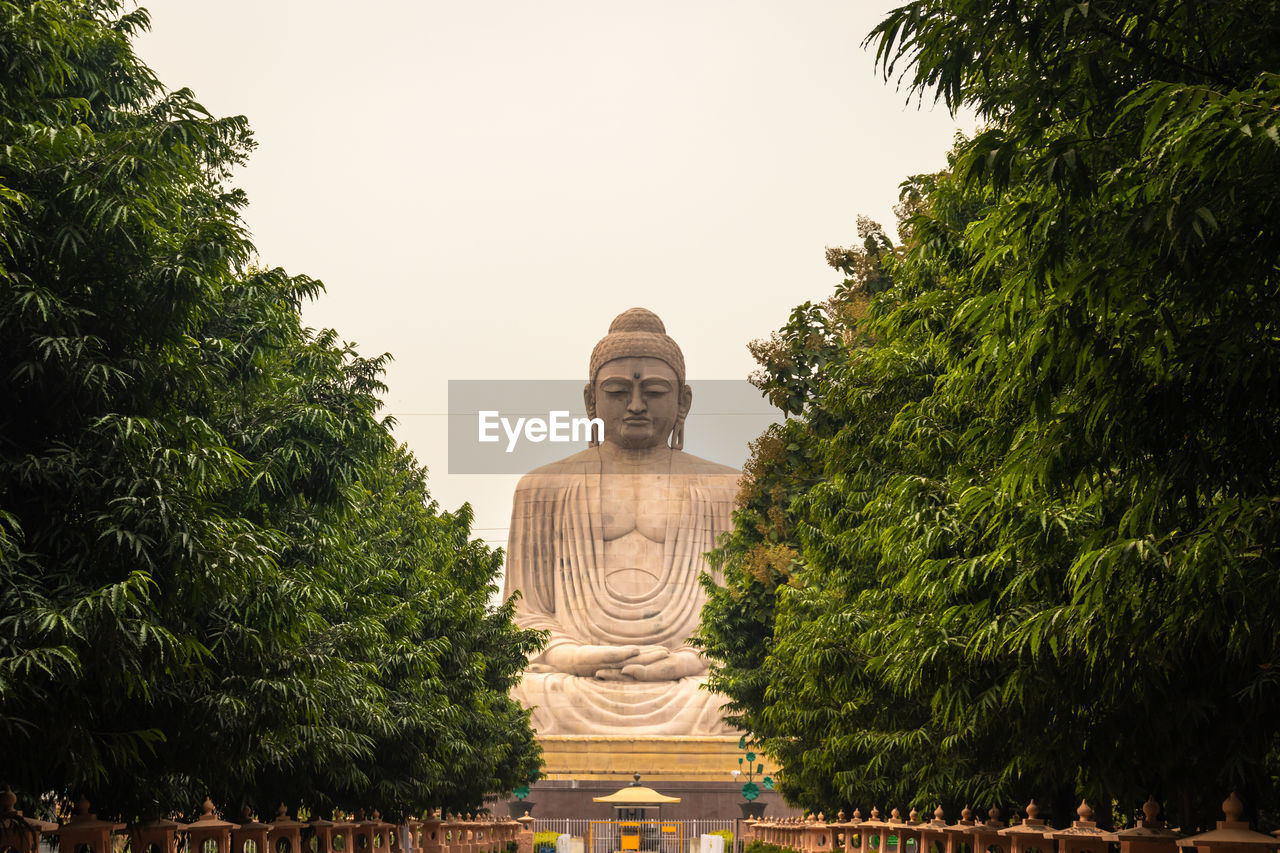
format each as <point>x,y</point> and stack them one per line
<point>219,574</point>
<point>1027,511</point>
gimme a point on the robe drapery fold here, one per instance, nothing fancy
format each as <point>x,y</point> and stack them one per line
<point>556,558</point>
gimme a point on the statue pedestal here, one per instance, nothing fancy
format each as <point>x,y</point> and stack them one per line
<point>656,758</point>
<point>695,768</point>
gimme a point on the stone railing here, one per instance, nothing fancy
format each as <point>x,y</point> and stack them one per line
<point>1031,835</point>
<point>85,833</point>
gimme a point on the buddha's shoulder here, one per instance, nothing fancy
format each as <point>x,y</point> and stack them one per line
<point>575,468</point>
<point>687,463</point>
<point>564,470</point>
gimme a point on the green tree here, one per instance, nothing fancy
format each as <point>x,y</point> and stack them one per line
<point>218,573</point>
<point>1042,556</point>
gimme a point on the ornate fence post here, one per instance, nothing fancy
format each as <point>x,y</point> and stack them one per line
<point>209,834</point>
<point>510,829</point>
<point>779,831</point>
<point>933,835</point>
<point>840,833</point>
<point>960,834</point>
<point>987,833</point>
<point>1148,835</point>
<point>414,827</point>
<point>157,835</point>
<point>908,833</point>
<point>466,835</point>
<point>811,835</point>
<point>1028,836</point>
<point>285,834</point>
<point>85,833</point>
<point>875,833</point>
<point>1231,835</point>
<point>857,843</point>
<point>430,836</point>
<point>450,834</point>
<point>322,830</point>
<point>525,837</point>
<point>1083,836</point>
<point>368,835</point>
<point>251,835</point>
<point>19,833</point>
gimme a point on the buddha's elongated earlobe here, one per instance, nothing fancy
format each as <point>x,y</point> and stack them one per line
<point>589,399</point>
<point>677,431</point>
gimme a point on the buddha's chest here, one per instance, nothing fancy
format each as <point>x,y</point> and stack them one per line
<point>642,503</point>
<point>637,513</point>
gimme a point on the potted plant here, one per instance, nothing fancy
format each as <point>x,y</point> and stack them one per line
<point>520,806</point>
<point>750,790</point>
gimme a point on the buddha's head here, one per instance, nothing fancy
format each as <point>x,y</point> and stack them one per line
<point>637,383</point>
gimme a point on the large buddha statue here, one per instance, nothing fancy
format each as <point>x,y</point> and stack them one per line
<point>606,547</point>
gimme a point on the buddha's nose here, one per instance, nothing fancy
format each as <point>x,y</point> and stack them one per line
<point>636,404</point>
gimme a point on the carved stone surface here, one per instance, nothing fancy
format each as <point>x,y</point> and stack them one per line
<point>606,547</point>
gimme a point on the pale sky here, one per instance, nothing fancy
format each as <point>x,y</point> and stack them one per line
<point>483,185</point>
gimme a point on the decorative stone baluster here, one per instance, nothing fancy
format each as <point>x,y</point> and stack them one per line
<point>840,833</point>
<point>85,833</point>
<point>250,832</point>
<point>448,833</point>
<point>157,835</point>
<point>765,830</point>
<point>960,835</point>
<point>1231,835</point>
<point>18,833</point>
<point>362,830</point>
<point>858,842</point>
<point>908,833</point>
<point>525,838</point>
<point>817,835</point>
<point>208,833</point>
<point>1028,836</point>
<point>1148,835</point>
<point>933,834</point>
<point>1084,835</point>
<point>322,831</point>
<point>875,833</point>
<point>466,835</point>
<point>431,834</point>
<point>285,833</point>
<point>369,835</point>
<point>987,833</point>
<point>413,828</point>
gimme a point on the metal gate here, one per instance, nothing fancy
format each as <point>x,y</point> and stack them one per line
<point>635,836</point>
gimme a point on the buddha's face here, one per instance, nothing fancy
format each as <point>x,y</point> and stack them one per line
<point>639,399</point>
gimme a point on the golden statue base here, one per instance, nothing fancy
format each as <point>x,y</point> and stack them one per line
<point>656,758</point>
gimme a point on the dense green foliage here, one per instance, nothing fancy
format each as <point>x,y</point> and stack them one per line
<point>765,847</point>
<point>218,573</point>
<point>1030,511</point>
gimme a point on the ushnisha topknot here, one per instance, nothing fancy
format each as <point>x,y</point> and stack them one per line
<point>637,332</point>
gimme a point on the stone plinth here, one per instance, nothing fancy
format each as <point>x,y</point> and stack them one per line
<point>696,769</point>
<point>614,758</point>
<point>698,800</point>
